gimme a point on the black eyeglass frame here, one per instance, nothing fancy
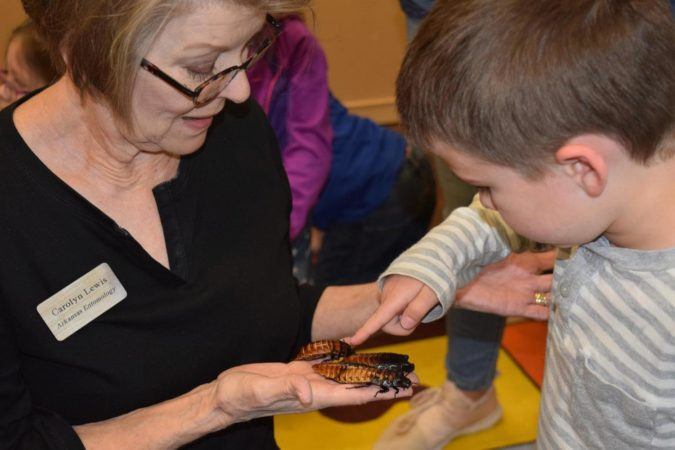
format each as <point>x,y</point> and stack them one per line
<point>194,94</point>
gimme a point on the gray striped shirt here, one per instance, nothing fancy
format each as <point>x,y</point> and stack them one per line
<point>610,361</point>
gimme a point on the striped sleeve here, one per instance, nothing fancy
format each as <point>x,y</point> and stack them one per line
<point>452,253</point>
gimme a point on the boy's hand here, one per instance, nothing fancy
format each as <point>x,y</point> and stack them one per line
<point>506,288</point>
<point>403,304</point>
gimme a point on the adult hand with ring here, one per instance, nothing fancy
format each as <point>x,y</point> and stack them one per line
<point>541,299</point>
<point>506,287</point>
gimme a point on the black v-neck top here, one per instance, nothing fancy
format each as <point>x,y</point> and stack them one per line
<point>229,298</point>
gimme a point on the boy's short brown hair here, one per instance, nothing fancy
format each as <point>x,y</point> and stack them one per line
<point>512,80</point>
<point>100,43</point>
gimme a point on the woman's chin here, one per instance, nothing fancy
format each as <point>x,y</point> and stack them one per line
<point>185,145</point>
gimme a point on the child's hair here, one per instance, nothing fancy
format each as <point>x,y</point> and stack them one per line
<point>35,52</point>
<point>512,80</point>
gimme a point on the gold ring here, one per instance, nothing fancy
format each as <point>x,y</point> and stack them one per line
<point>540,299</point>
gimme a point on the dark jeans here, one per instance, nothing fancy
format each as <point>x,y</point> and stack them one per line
<point>473,346</point>
<point>302,270</point>
<point>358,252</point>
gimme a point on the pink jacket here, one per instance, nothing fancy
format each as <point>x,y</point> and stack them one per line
<point>291,84</point>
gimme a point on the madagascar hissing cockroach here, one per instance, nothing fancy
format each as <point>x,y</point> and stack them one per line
<point>383,361</point>
<point>324,349</point>
<point>352,373</point>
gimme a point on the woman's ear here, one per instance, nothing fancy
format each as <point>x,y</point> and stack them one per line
<point>586,165</point>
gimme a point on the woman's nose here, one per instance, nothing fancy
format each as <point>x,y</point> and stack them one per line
<point>239,90</point>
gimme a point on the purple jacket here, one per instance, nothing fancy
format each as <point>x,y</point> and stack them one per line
<point>291,85</point>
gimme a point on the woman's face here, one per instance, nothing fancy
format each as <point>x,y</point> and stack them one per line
<point>192,47</point>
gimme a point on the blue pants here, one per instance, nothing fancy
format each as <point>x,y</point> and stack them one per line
<point>302,270</point>
<point>473,346</point>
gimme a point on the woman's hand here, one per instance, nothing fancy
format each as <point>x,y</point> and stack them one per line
<point>239,394</point>
<point>265,389</point>
<point>506,288</point>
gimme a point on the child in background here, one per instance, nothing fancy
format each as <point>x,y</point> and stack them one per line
<point>375,200</point>
<point>291,85</point>
<point>561,113</point>
<point>27,65</point>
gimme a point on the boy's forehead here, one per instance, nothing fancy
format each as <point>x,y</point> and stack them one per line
<point>442,149</point>
<point>457,159</point>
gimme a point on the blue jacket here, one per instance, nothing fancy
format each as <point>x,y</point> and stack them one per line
<point>366,161</point>
<point>416,9</point>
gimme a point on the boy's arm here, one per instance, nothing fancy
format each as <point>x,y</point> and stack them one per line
<point>453,253</point>
<point>450,256</point>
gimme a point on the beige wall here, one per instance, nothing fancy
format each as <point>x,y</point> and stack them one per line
<point>11,15</point>
<point>364,42</point>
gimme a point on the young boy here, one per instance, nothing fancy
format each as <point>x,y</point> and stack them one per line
<point>561,113</point>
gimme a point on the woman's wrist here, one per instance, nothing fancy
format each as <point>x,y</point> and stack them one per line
<point>167,425</point>
<point>207,416</point>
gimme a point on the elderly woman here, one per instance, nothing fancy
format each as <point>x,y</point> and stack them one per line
<point>146,271</point>
<point>145,286</point>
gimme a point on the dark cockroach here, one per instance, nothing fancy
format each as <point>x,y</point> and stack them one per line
<point>324,349</point>
<point>382,361</point>
<point>352,373</point>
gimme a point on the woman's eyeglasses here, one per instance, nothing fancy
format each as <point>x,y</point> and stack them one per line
<point>209,89</point>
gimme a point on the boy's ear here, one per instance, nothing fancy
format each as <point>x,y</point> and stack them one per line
<point>585,165</point>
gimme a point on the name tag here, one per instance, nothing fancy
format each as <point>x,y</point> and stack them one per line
<point>81,301</point>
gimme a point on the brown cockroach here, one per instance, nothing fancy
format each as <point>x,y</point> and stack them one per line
<point>324,349</point>
<point>382,361</point>
<point>352,373</point>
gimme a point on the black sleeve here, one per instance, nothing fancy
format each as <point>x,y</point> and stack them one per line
<point>309,297</point>
<point>22,425</point>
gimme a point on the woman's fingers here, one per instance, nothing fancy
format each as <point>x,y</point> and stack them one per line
<point>544,260</point>
<point>536,312</point>
<point>265,389</point>
<point>543,283</point>
<point>330,393</point>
